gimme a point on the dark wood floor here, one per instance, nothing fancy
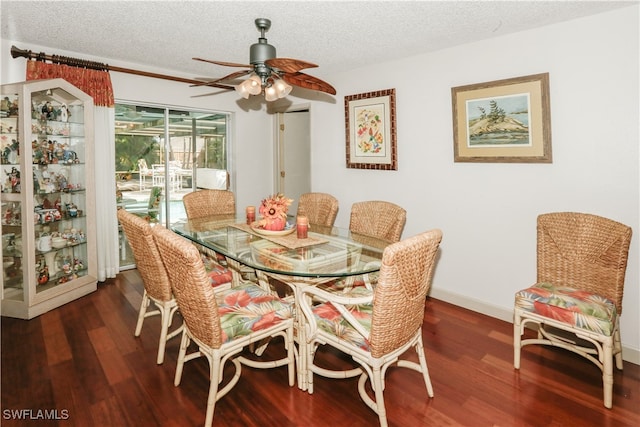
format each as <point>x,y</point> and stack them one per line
<point>83,361</point>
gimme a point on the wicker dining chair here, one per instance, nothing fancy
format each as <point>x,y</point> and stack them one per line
<point>320,208</point>
<point>203,203</point>
<point>157,289</point>
<point>222,324</point>
<point>373,223</point>
<point>379,219</point>
<point>581,266</point>
<point>376,328</point>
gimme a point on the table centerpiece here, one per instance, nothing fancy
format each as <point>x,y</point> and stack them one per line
<point>273,211</point>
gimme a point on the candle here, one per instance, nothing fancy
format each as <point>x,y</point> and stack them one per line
<point>251,214</point>
<point>302,226</point>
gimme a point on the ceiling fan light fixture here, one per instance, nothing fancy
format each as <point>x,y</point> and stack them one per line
<point>270,94</point>
<point>242,90</point>
<point>282,88</point>
<point>254,85</point>
<point>251,86</point>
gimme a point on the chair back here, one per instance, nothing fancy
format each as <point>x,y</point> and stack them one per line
<point>403,284</point>
<point>145,252</point>
<point>191,288</point>
<point>320,208</point>
<point>379,219</point>
<point>583,251</point>
<point>201,203</point>
<point>142,165</point>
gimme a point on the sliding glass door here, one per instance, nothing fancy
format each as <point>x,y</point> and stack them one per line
<point>163,153</point>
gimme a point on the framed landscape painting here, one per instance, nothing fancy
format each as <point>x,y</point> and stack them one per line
<point>370,120</point>
<point>503,121</point>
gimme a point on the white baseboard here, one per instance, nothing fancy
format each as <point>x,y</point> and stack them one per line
<point>628,354</point>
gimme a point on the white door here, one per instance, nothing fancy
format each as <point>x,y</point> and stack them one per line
<point>294,155</point>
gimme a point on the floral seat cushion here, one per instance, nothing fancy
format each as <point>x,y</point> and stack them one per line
<point>575,307</point>
<point>247,308</point>
<point>329,319</point>
<point>218,275</point>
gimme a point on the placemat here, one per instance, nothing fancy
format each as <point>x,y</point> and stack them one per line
<point>290,241</point>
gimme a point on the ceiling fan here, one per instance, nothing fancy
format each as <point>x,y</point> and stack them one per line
<point>267,73</point>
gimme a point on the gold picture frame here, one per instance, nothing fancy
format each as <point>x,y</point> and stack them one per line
<point>370,126</point>
<point>503,121</point>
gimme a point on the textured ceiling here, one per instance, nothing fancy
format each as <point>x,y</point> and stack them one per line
<point>336,35</point>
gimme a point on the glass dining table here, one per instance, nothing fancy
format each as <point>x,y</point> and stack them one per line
<point>327,254</point>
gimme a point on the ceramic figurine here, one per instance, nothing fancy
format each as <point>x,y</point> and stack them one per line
<point>8,216</point>
<point>70,157</point>
<point>10,153</point>
<point>63,113</point>
<point>14,180</point>
<point>48,112</point>
<point>13,108</point>
<point>5,104</point>
<point>62,182</point>
<point>36,183</point>
<point>43,275</point>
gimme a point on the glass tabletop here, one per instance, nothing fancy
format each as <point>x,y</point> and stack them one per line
<point>327,252</point>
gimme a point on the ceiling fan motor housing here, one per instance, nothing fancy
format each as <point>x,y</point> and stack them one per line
<point>261,51</point>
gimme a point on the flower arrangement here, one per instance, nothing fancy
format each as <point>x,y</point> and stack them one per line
<point>273,210</point>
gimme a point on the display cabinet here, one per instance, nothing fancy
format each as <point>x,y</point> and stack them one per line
<point>48,202</point>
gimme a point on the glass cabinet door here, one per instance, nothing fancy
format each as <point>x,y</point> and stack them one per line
<point>59,188</point>
<point>12,265</point>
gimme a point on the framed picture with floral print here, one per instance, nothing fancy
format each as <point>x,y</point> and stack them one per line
<point>504,121</point>
<point>370,120</point>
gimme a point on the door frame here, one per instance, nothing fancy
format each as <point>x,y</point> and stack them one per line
<point>276,138</point>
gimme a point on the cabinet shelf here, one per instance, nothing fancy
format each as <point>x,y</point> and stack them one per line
<point>46,142</point>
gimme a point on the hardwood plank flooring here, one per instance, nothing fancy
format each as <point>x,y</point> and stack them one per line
<point>82,364</point>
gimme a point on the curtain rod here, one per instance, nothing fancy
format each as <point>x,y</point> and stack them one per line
<point>82,63</point>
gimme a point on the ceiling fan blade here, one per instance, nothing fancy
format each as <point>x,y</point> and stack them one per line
<point>308,82</point>
<point>226,64</point>
<point>207,94</point>
<point>288,65</point>
<point>231,76</point>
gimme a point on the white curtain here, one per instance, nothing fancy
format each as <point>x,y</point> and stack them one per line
<point>105,172</point>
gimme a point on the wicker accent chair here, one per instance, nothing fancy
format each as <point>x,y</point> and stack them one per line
<point>376,328</point>
<point>222,324</point>
<point>379,219</point>
<point>577,301</point>
<point>320,208</point>
<point>157,289</point>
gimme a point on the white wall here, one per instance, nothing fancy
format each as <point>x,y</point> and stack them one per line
<point>487,211</point>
